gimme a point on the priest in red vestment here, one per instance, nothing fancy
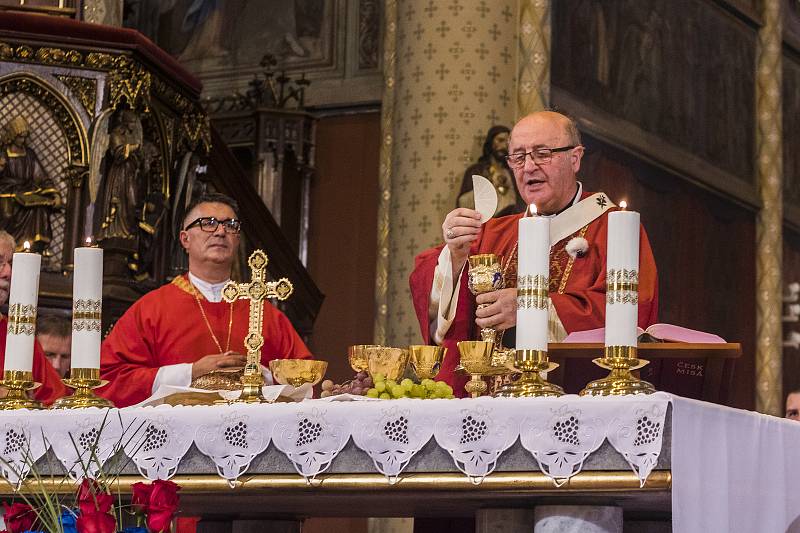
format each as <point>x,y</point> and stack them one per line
<point>51,387</point>
<point>545,155</point>
<point>183,330</point>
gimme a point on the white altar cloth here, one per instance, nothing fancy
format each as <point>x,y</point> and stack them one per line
<point>560,433</point>
<point>733,471</point>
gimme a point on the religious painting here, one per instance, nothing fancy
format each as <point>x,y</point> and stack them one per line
<point>214,37</point>
<point>684,71</point>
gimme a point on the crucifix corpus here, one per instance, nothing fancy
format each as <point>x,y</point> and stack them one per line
<point>256,291</point>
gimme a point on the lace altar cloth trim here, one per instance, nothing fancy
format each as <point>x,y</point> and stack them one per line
<point>560,433</point>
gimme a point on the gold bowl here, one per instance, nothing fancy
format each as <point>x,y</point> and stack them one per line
<point>476,356</point>
<point>219,380</point>
<point>426,360</point>
<point>357,356</point>
<point>387,361</point>
<point>295,372</point>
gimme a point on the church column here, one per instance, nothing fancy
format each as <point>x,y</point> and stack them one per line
<point>769,223</point>
<point>453,77</point>
<point>533,89</point>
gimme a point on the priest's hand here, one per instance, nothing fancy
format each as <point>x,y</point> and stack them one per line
<point>460,229</point>
<point>219,361</point>
<point>500,311</point>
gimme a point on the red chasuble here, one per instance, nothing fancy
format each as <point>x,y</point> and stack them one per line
<point>166,327</point>
<point>43,372</point>
<point>577,289</point>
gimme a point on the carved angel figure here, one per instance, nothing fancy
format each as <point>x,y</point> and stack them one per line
<point>27,194</point>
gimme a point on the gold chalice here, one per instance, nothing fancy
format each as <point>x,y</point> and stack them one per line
<point>295,372</point>
<point>357,356</point>
<point>485,275</point>
<point>426,360</point>
<point>476,359</point>
<point>530,384</point>
<point>389,362</point>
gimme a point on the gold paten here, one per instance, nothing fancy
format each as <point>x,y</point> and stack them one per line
<point>476,359</point>
<point>603,481</point>
<point>256,291</point>
<point>357,356</point>
<point>620,360</point>
<point>530,383</point>
<point>296,372</point>
<point>390,362</point>
<point>426,360</point>
<point>18,383</point>
<point>83,380</point>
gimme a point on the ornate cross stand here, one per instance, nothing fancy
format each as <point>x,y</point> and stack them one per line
<point>256,291</point>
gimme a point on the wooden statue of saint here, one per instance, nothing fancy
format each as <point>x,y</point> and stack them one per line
<point>493,166</point>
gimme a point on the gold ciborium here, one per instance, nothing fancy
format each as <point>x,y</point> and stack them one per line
<point>357,356</point>
<point>83,380</point>
<point>485,275</point>
<point>530,383</point>
<point>389,362</point>
<point>476,359</point>
<point>296,372</point>
<point>426,360</point>
<point>18,383</point>
<point>621,361</point>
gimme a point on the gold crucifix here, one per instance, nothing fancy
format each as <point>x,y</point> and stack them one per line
<point>256,291</point>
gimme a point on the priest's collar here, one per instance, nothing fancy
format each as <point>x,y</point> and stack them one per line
<point>211,291</point>
<point>575,200</point>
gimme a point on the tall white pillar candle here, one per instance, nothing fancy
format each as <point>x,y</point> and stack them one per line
<point>22,302</point>
<point>533,275</point>
<point>87,302</point>
<point>622,277</point>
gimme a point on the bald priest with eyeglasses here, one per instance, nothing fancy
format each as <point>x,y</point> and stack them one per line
<point>184,329</point>
<point>545,154</point>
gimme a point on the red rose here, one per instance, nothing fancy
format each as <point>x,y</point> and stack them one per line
<point>19,517</point>
<point>92,498</point>
<point>96,522</point>
<point>163,505</point>
<point>140,500</point>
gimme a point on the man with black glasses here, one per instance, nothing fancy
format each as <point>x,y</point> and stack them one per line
<point>545,154</point>
<point>184,330</point>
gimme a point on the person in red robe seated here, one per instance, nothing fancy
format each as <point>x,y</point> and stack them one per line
<point>51,387</point>
<point>183,329</point>
<point>545,154</point>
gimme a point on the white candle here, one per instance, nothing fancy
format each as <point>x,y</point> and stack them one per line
<point>22,302</point>
<point>533,274</point>
<point>622,304</point>
<point>87,298</point>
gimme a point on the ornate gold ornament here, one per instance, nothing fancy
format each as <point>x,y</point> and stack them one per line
<point>533,291</point>
<point>84,89</point>
<point>83,380</point>
<point>18,383</point>
<point>130,81</point>
<point>22,319</point>
<point>86,315</point>
<point>622,286</point>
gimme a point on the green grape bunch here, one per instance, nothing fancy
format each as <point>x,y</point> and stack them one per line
<point>387,389</point>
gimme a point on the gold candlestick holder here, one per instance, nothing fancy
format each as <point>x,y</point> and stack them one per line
<point>621,361</point>
<point>83,380</point>
<point>18,383</point>
<point>530,383</point>
<point>476,359</point>
<point>485,275</point>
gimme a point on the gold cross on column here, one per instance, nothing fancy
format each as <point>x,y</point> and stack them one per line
<point>256,291</point>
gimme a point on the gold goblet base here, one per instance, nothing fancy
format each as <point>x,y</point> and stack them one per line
<point>251,389</point>
<point>621,361</point>
<point>18,384</point>
<point>476,386</point>
<point>83,380</point>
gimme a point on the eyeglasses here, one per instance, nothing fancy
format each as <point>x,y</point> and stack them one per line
<point>540,156</point>
<point>210,224</point>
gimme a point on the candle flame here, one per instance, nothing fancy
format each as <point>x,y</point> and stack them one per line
<point>88,241</point>
<point>26,245</point>
<point>623,205</point>
<point>533,209</point>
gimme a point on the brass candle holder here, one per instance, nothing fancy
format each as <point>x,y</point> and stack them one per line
<point>530,383</point>
<point>83,380</point>
<point>485,275</point>
<point>426,360</point>
<point>621,361</point>
<point>476,359</point>
<point>18,383</point>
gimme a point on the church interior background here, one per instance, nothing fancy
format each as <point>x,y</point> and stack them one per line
<point>344,128</point>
